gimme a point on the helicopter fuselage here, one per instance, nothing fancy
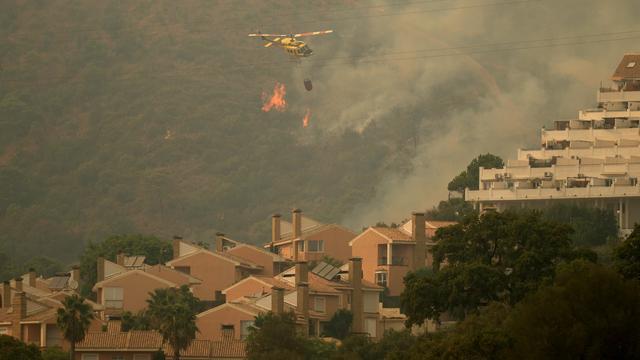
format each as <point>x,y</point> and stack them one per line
<point>292,46</point>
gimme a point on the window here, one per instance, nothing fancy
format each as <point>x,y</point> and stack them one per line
<point>184,269</point>
<point>300,246</point>
<point>381,278</point>
<point>320,304</point>
<point>112,297</point>
<point>4,331</point>
<point>370,327</point>
<point>89,357</point>
<point>141,357</point>
<point>117,357</point>
<point>245,325</point>
<point>316,245</point>
<point>227,330</point>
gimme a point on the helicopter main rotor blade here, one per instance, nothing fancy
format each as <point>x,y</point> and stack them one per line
<point>313,33</point>
<point>271,35</point>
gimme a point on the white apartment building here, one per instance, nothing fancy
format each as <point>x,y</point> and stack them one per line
<point>593,160</point>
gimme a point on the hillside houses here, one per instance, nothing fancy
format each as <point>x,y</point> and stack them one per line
<point>29,306</point>
<point>236,282</point>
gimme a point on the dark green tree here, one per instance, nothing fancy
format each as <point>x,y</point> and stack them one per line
<point>14,349</point>
<point>589,312</point>
<point>339,326</point>
<point>156,251</point>
<point>275,337</point>
<point>358,347</point>
<point>173,313</point>
<point>395,345</point>
<point>626,256</point>
<point>470,178</point>
<point>479,337</point>
<point>139,321</point>
<point>592,227</point>
<point>43,265</point>
<point>74,319</point>
<point>454,209</point>
<point>493,257</point>
<point>158,355</point>
<point>54,353</point>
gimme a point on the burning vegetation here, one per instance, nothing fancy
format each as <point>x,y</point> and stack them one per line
<point>305,120</point>
<point>275,101</point>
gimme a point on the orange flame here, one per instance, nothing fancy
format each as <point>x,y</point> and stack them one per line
<point>305,120</point>
<point>276,101</point>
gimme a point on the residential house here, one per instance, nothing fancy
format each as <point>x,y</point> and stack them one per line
<point>29,306</point>
<point>304,239</point>
<point>217,269</point>
<point>126,287</point>
<point>315,296</point>
<point>271,263</point>
<point>388,254</point>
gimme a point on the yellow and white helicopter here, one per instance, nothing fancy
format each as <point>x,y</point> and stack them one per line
<point>289,43</point>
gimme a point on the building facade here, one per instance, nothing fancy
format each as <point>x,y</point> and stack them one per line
<point>593,160</point>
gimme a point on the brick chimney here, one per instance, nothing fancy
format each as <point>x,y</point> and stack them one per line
<point>32,277</point>
<point>6,294</point>
<point>296,222</point>
<point>19,305</point>
<point>275,228</point>
<point>302,308</point>
<point>120,258</point>
<point>357,301</point>
<point>418,234</point>
<point>277,300</point>
<point>302,272</point>
<point>219,242</point>
<point>18,282</point>
<point>176,246</point>
<point>75,273</point>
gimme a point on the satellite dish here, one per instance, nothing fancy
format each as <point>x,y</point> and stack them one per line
<point>73,285</point>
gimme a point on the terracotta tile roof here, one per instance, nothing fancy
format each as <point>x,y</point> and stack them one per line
<point>228,348</point>
<point>319,284</point>
<point>114,326</point>
<point>119,341</point>
<point>141,339</point>
<point>393,233</point>
<point>629,68</point>
<point>103,340</point>
<point>197,348</point>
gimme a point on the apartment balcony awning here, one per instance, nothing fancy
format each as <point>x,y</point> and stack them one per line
<point>615,174</point>
<point>580,144</point>
<point>628,143</point>
<point>599,143</point>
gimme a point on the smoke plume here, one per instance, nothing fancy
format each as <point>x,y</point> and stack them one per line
<point>467,100</point>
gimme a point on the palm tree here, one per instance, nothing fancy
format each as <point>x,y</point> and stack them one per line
<point>173,314</point>
<point>74,320</point>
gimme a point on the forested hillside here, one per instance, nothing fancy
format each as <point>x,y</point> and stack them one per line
<point>125,117</point>
<point>145,116</point>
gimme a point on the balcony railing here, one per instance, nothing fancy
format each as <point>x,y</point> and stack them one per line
<point>396,260</point>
